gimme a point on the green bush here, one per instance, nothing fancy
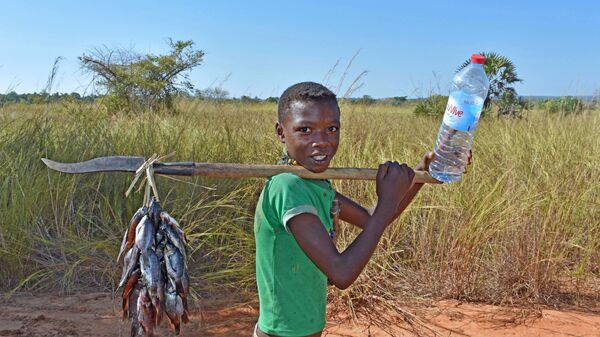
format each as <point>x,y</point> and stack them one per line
<point>434,105</point>
<point>511,106</point>
<point>564,105</point>
<point>367,100</point>
<point>394,101</point>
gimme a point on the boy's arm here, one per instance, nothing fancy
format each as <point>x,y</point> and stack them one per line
<point>357,215</point>
<point>351,212</point>
<point>343,268</point>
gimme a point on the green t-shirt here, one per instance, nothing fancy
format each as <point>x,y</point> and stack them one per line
<point>292,291</point>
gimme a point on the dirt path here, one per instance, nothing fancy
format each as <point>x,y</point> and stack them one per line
<point>98,314</point>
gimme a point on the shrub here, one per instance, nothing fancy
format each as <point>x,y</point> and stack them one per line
<point>511,106</point>
<point>564,105</point>
<point>434,105</point>
<point>394,101</point>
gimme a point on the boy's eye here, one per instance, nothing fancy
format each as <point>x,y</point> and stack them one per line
<point>304,129</point>
<point>334,128</point>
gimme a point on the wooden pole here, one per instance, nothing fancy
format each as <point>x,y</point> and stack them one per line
<point>225,170</point>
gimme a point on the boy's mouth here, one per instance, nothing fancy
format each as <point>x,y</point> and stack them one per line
<point>320,158</point>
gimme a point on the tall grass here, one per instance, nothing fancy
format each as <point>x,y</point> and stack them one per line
<point>523,225</point>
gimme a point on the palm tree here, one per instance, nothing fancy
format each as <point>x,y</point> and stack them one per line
<point>502,75</point>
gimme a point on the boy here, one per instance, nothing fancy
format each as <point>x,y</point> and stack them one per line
<point>293,225</point>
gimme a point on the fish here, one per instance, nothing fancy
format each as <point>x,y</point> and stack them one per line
<point>123,247</point>
<point>174,308</point>
<point>136,329</point>
<point>154,211</point>
<point>135,220</point>
<point>144,235</point>
<point>129,265</point>
<point>146,313</point>
<point>185,282</point>
<point>160,303</point>
<point>127,291</point>
<point>173,223</point>
<point>175,239</point>
<point>155,279</point>
<point>175,266</point>
<point>150,270</point>
<point>129,237</point>
<point>161,242</point>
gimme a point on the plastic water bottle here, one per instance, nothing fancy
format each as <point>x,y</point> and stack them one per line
<point>465,102</point>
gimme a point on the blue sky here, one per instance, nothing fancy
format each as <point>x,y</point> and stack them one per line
<point>258,48</point>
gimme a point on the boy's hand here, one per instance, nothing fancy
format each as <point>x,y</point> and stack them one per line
<point>429,156</point>
<point>469,161</point>
<point>424,164</point>
<point>393,181</point>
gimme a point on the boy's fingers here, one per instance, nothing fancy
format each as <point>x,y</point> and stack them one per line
<point>428,157</point>
<point>383,169</point>
<point>392,167</point>
<point>411,172</point>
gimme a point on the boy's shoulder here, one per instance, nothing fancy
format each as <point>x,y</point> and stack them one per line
<point>290,181</point>
<point>286,177</point>
<point>285,181</point>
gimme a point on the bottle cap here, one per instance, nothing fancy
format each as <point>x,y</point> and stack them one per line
<point>478,58</point>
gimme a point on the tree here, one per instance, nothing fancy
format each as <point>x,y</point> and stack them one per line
<point>397,100</point>
<point>213,94</point>
<point>511,106</point>
<point>366,99</point>
<point>148,81</point>
<point>502,75</point>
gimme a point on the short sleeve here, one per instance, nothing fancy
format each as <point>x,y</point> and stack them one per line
<point>290,196</point>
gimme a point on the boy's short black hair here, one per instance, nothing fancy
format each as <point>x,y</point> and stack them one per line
<point>304,91</point>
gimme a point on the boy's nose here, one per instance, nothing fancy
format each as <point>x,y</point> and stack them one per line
<point>319,140</point>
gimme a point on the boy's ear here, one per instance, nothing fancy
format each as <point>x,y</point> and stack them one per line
<point>279,131</point>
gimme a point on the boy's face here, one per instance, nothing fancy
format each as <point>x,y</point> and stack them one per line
<point>311,132</point>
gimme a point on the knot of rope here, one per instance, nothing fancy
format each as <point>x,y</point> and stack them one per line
<point>148,168</point>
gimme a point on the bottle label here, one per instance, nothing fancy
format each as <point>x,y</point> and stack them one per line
<point>463,111</point>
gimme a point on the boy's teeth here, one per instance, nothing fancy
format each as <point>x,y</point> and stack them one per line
<point>319,157</point>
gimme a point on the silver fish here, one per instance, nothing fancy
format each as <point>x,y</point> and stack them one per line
<point>129,265</point>
<point>174,308</point>
<point>144,235</point>
<point>175,266</point>
<point>176,240</point>
<point>154,211</point>
<point>160,303</point>
<point>161,242</point>
<point>129,237</point>
<point>150,270</point>
<point>173,223</point>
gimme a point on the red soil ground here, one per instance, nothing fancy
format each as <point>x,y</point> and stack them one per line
<point>98,314</point>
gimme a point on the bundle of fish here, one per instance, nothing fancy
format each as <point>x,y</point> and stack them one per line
<point>155,280</point>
